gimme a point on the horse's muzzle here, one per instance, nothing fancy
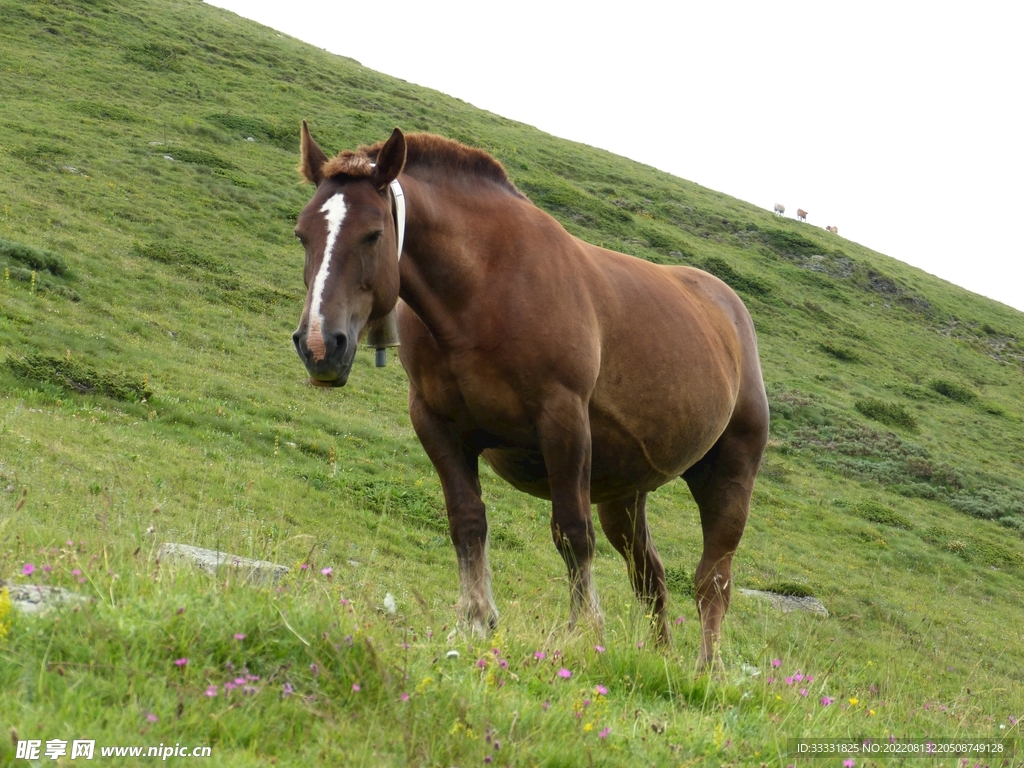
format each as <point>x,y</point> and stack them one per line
<point>334,366</point>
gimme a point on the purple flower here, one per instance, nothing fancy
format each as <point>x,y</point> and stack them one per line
<point>539,655</point>
<point>47,569</point>
<point>599,648</point>
<point>825,701</point>
<point>776,663</point>
<point>771,680</point>
<point>488,759</point>
<point>211,691</point>
<point>798,676</point>
<point>239,636</point>
<point>239,681</point>
<point>803,692</point>
<point>404,696</point>
<point>601,690</point>
<point>327,571</point>
<point>789,681</point>
<point>482,663</point>
<point>76,572</point>
<point>304,567</point>
<point>564,673</point>
<point>503,663</point>
<point>1013,720</point>
<point>546,705</point>
<point>679,620</point>
<point>180,662</point>
<point>315,670</point>
<point>604,733</point>
<point>28,569</point>
<point>849,763</point>
<point>356,688</point>
<point>151,717</point>
<point>287,690</point>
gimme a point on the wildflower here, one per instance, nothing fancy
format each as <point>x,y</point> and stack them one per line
<point>287,690</point>
<point>604,734</point>
<point>488,759</point>
<point>76,572</point>
<point>809,679</point>
<point>803,692</point>
<point>482,663</point>
<point>825,701</point>
<point>798,676</point>
<point>587,728</point>
<point>239,636</point>
<point>326,571</point>
<point>70,543</point>
<point>28,569</point>
<point>239,681</point>
<point>404,696</point>
<point>640,644</point>
<point>304,567</point>
<point>1013,720</point>
<point>356,688</point>
<point>789,680</point>
<point>181,610</point>
<point>503,663</point>
<point>679,620</point>
<point>599,648</point>
<point>151,717</point>
<point>546,705</point>
<point>871,712</point>
<point>854,702</point>
<point>47,569</point>
<point>564,673</point>
<point>771,680</point>
<point>211,691</point>
<point>539,655</point>
<point>601,690</point>
<point>315,670</point>
<point>849,763</point>
<point>776,663</point>
<point>343,601</point>
<point>180,662</point>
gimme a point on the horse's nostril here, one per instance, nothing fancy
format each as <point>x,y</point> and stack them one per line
<point>297,341</point>
<point>341,341</point>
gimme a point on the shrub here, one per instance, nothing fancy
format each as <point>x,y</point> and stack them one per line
<point>883,515</point>
<point>954,391</point>
<point>80,378</point>
<point>34,258</point>
<point>838,352</point>
<point>891,414</point>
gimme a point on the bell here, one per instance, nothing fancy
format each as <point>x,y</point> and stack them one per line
<point>381,334</point>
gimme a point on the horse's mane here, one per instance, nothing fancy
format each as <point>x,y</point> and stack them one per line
<point>424,150</point>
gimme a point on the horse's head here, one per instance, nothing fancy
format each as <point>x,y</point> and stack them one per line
<point>351,271</point>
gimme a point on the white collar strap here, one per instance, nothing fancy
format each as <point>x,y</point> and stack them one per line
<point>396,190</point>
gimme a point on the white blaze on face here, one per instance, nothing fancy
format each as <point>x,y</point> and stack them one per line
<point>334,212</point>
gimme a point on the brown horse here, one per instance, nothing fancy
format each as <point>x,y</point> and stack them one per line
<point>580,375</point>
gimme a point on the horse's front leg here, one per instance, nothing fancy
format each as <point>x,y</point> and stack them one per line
<point>564,432</point>
<point>457,466</point>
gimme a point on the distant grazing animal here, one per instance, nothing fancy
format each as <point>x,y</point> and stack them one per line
<point>801,214</point>
<point>833,230</point>
<point>580,375</point>
<point>780,209</point>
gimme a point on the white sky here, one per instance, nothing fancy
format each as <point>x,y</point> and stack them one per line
<point>898,122</point>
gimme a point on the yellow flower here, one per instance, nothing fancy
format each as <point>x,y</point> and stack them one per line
<point>871,712</point>
<point>424,684</point>
<point>5,610</point>
<point>853,702</point>
<point>588,727</point>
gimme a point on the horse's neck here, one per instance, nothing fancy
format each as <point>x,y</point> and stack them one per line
<point>441,270</point>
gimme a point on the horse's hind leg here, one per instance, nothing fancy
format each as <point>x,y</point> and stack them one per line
<point>458,467</point>
<point>722,483</point>
<point>624,522</point>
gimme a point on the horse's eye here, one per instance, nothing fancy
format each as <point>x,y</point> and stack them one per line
<point>373,237</point>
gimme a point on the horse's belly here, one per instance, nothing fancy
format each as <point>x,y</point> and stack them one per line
<point>621,464</point>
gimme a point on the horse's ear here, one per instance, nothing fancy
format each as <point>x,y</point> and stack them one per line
<point>390,160</point>
<point>313,158</point>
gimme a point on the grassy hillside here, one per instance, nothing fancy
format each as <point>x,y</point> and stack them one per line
<point>149,284</point>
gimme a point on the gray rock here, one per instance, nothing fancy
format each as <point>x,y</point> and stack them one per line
<point>788,603</point>
<point>38,599</point>
<point>210,560</point>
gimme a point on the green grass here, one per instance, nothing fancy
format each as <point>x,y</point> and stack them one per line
<point>178,280</point>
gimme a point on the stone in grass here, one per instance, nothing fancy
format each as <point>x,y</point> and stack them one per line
<point>38,599</point>
<point>788,603</point>
<point>210,560</point>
